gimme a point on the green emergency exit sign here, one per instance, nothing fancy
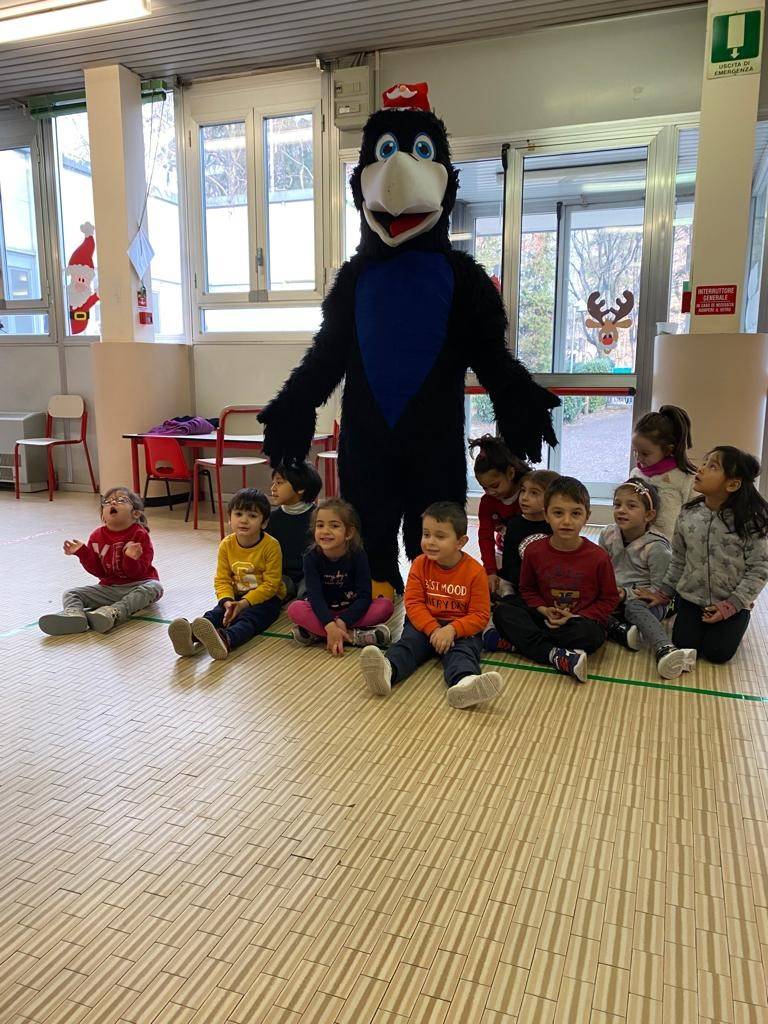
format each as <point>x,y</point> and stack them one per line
<point>736,41</point>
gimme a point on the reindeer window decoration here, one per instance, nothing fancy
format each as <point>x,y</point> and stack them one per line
<point>608,330</point>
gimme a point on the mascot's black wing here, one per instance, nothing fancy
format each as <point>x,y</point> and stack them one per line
<point>522,407</point>
<point>289,419</point>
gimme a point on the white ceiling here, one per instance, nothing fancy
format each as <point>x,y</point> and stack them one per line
<point>214,37</point>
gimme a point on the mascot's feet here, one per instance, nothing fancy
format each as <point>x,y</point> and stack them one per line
<point>380,588</point>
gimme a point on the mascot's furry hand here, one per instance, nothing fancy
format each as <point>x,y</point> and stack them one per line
<point>526,419</point>
<point>288,431</point>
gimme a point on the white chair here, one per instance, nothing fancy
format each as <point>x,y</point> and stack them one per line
<point>60,407</point>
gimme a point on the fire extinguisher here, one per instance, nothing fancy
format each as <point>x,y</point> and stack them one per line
<point>145,314</point>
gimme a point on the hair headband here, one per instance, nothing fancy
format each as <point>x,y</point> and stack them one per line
<point>640,489</point>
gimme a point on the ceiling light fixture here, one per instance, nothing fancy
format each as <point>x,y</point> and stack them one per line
<point>54,17</point>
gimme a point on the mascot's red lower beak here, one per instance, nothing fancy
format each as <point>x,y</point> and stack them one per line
<point>405,223</point>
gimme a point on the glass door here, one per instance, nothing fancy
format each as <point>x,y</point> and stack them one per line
<point>582,232</point>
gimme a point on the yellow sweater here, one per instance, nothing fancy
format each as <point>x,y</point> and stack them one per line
<point>255,574</point>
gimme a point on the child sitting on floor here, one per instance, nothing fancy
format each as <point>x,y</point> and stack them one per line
<point>338,607</point>
<point>294,489</point>
<point>248,584</point>
<point>719,556</point>
<point>447,604</point>
<point>499,473</point>
<point>567,588</point>
<point>640,557</point>
<point>521,530</point>
<point>120,553</point>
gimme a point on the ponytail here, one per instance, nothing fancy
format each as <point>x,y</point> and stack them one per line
<point>493,454</point>
<point>669,428</point>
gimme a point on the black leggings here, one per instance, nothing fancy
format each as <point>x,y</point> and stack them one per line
<point>717,642</point>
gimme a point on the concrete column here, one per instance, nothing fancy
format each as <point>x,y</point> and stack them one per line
<point>113,98</point>
<point>723,182</point>
<point>140,384</point>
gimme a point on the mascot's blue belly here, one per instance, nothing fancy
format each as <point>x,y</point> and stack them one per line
<point>402,307</point>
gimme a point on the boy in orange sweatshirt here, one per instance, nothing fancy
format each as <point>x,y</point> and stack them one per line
<point>447,606</point>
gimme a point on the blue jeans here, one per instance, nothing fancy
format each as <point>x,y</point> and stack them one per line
<point>413,649</point>
<point>248,624</point>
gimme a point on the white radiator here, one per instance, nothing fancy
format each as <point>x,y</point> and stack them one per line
<point>33,469</point>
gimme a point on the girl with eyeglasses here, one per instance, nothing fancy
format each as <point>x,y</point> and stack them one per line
<point>119,553</point>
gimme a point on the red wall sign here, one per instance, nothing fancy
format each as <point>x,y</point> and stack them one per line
<point>716,300</point>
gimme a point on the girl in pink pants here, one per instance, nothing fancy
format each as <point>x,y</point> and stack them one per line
<point>338,607</point>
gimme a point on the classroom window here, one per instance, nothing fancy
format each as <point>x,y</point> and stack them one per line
<point>290,199</point>
<point>75,195</point>
<point>255,218</point>
<point>19,258</point>
<point>225,207</point>
<point>163,216</point>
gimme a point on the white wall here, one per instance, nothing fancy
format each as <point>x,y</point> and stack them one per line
<point>639,66</point>
<point>30,374</point>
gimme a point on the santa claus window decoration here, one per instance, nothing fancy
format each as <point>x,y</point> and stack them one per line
<point>81,282</point>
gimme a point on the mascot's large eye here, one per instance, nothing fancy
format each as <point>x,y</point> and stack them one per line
<point>386,147</point>
<point>424,148</point>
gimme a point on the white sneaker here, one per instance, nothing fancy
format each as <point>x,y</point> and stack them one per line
<point>62,623</point>
<point>180,634</point>
<point>376,636</point>
<point>475,690</point>
<point>673,661</point>
<point>634,643</point>
<point>377,671</point>
<point>102,619</point>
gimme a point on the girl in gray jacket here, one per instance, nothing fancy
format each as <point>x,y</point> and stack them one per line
<point>640,557</point>
<point>719,556</point>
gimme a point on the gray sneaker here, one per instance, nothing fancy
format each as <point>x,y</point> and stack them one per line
<point>180,634</point>
<point>377,671</point>
<point>211,639</point>
<point>376,636</point>
<point>303,636</point>
<point>103,619</point>
<point>70,620</point>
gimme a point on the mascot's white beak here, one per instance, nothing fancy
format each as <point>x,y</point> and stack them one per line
<point>408,191</point>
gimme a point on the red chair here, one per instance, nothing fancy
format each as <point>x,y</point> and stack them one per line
<point>330,461</point>
<point>60,407</point>
<point>164,460</point>
<point>218,461</point>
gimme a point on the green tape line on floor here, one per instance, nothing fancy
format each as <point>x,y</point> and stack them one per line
<point>523,667</point>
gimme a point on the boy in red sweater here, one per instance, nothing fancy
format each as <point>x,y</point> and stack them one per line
<point>567,588</point>
<point>447,605</point>
<point>120,554</point>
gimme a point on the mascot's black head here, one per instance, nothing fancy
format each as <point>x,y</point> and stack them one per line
<point>404,184</point>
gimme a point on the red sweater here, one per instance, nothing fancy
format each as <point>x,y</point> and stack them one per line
<point>103,556</point>
<point>458,596</point>
<point>580,581</point>
<point>493,515</point>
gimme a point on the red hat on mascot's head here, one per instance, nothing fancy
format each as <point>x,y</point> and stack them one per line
<point>406,97</point>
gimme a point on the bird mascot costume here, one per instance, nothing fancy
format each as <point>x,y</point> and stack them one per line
<point>405,318</point>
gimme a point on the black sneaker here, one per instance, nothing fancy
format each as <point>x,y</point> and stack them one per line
<point>624,634</point>
<point>570,663</point>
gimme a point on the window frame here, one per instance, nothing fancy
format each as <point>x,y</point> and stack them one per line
<point>253,101</point>
<point>21,132</point>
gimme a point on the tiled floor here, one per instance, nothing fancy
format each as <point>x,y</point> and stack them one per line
<point>261,841</point>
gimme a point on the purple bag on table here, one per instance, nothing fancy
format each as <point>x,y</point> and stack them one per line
<point>188,425</point>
